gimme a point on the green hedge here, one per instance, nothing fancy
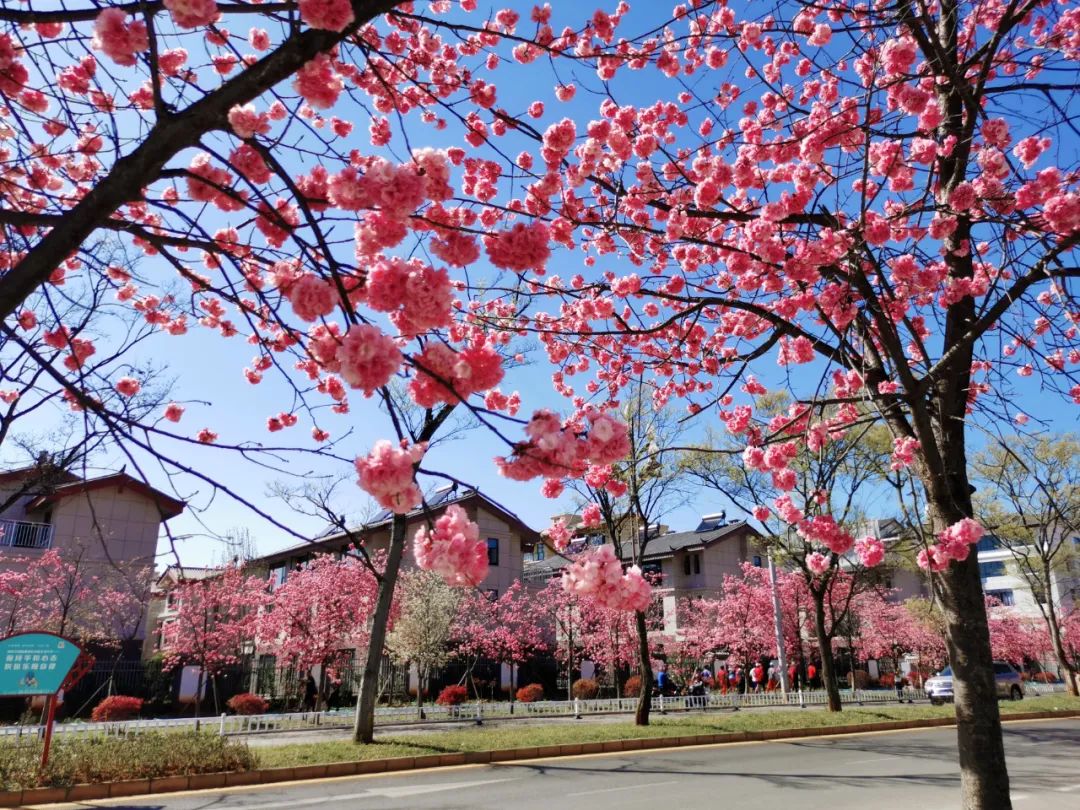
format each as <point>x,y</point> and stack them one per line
<point>107,759</point>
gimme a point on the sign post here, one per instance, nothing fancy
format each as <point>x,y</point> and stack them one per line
<point>34,664</point>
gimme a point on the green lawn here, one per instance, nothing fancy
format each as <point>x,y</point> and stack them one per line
<point>509,735</point>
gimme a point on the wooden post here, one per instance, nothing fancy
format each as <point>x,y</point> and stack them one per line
<point>50,718</point>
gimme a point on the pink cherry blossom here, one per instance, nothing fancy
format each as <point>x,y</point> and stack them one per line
<point>559,534</point>
<point>386,473</point>
<point>192,13</point>
<point>599,574</point>
<point>331,15</point>
<point>174,411</point>
<point>590,516</point>
<point>817,562</point>
<point>367,358</point>
<point>871,551</point>
<point>128,386</point>
<point>118,38</point>
<point>523,247</point>
<point>453,549</point>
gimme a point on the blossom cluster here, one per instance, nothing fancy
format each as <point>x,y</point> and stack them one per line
<point>554,450</point>
<point>559,534</point>
<point>600,574</point>
<point>452,549</point>
<point>954,543</point>
<point>386,473</point>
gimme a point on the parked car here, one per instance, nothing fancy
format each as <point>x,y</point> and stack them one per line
<point>1009,684</point>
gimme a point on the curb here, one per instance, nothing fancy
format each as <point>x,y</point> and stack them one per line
<point>210,781</point>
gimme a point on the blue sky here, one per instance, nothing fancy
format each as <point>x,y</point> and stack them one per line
<point>208,370</point>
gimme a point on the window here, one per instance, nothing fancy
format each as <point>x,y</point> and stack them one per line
<point>686,565</point>
<point>1005,597</point>
<point>992,568</point>
<point>492,594</point>
<point>540,551</point>
<point>988,543</point>
<point>757,561</point>
<point>697,563</point>
<point>278,576</point>
<point>493,550</point>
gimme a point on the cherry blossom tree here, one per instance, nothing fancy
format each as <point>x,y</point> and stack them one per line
<point>1014,637</point>
<point>827,477</point>
<point>850,190</point>
<point>215,619</point>
<point>505,630</point>
<point>320,610</point>
<point>887,629</point>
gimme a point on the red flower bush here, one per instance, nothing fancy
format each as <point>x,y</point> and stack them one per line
<point>247,703</point>
<point>117,707</point>
<point>632,687</point>
<point>452,695</point>
<point>531,693</point>
<point>585,689</point>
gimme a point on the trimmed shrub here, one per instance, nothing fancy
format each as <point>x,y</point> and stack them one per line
<point>585,689</point>
<point>117,707</point>
<point>632,687</point>
<point>860,679</point>
<point>1045,677</point>
<point>452,695</point>
<point>247,703</point>
<point>531,693</point>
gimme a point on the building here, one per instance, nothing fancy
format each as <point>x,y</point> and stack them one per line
<point>161,610</point>
<point>690,563</point>
<point>110,524</point>
<point>507,537</point>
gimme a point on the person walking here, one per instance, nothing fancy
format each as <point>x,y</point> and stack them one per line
<point>756,675</point>
<point>811,675</point>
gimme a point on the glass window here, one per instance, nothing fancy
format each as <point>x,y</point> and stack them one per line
<point>493,550</point>
<point>697,563</point>
<point>492,594</point>
<point>757,561</point>
<point>992,568</point>
<point>540,551</point>
<point>1005,597</point>
<point>988,543</point>
<point>686,564</point>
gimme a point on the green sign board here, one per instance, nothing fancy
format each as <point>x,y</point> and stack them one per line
<point>35,663</point>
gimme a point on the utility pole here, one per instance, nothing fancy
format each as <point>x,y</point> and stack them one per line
<point>778,626</point>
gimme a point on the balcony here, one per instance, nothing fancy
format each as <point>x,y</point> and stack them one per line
<point>24,534</point>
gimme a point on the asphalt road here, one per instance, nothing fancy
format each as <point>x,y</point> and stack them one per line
<point>914,769</point>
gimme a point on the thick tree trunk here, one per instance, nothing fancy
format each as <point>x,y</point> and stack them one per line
<point>984,779</point>
<point>641,716</point>
<point>828,664</point>
<point>364,725</point>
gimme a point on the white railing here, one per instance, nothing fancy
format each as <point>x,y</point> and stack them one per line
<point>469,712</point>
<point>24,534</point>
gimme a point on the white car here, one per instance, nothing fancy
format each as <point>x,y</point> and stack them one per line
<point>1009,684</point>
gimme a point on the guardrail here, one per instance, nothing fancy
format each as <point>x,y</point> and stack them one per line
<point>469,712</point>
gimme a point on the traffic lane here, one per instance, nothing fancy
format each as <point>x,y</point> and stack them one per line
<point>834,773</point>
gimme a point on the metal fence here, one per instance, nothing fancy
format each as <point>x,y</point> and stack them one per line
<point>469,712</point>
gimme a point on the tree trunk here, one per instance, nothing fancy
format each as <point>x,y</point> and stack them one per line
<point>364,725</point>
<point>1067,668</point>
<point>828,665</point>
<point>419,692</point>
<point>644,704</point>
<point>984,780</point>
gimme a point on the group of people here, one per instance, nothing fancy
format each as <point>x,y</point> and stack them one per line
<point>762,676</point>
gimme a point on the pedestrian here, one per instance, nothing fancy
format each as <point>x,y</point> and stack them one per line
<point>772,679</point>
<point>793,676</point>
<point>311,692</point>
<point>662,680</point>
<point>811,675</point>
<point>756,675</point>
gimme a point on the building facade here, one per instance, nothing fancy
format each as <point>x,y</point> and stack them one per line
<point>108,526</point>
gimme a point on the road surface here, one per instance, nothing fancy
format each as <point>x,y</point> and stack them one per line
<point>913,769</point>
